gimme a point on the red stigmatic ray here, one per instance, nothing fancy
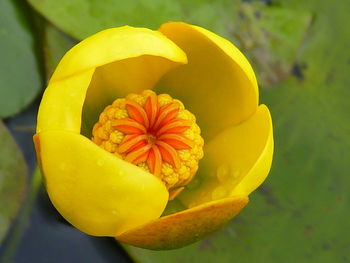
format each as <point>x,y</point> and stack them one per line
<point>153,134</point>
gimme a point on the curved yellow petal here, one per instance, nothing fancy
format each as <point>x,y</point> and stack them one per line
<point>258,173</point>
<point>62,104</point>
<point>126,59</point>
<point>183,228</point>
<point>120,78</point>
<point>95,191</point>
<point>236,161</point>
<point>218,84</point>
<point>116,44</point>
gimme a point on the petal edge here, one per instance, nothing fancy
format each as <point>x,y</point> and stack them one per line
<point>183,228</point>
<point>95,191</point>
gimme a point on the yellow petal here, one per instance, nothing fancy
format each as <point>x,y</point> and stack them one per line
<point>183,228</point>
<point>236,161</point>
<point>120,78</point>
<point>116,44</point>
<point>218,84</point>
<point>95,191</point>
<point>62,103</point>
<point>126,59</point>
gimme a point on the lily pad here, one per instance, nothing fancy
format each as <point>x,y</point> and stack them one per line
<point>301,212</point>
<point>82,18</point>
<point>20,79</point>
<point>270,35</point>
<point>13,178</point>
<point>56,44</point>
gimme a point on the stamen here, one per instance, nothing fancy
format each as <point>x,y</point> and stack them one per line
<point>130,144</point>
<point>137,113</point>
<point>166,113</point>
<point>129,126</point>
<point>169,154</point>
<point>179,142</point>
<point>139,155</point>
<point>151,108</point>
<point>153,137</point>
<point>155,160</point>
<point>174,126</point>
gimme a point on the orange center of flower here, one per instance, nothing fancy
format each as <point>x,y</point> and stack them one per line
<point>155,133</point>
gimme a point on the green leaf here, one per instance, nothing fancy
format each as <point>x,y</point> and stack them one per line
<point>9,248</point>
<point>301,214</point>
<point>56,44</point>
<point>20,80</point>
<point>271,36</point>
<point>13,179</point>
<point>82,18</point>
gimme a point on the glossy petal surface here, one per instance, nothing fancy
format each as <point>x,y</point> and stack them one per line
<point>150,55</point>
<point>62,103</point>
<point>116,44</point>
<point>95,191</point>
<point>180,229</point>
<point>218,84</point>
<point>103,195</point>
<point>236,161</point>
<point>120,78</point>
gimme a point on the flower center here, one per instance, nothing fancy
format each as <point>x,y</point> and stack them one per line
<point>151,139</point>
<point>154,132</point>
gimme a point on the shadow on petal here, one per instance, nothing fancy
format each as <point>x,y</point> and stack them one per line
<point>236,161</point>
<point>217,84</point>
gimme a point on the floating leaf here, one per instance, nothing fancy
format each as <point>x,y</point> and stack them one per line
<point>13,176</point>
<point>56,44</point>
<point>301,214</point>
<point>82,18</point>
<point>19,74</point>
<point>271,37</point>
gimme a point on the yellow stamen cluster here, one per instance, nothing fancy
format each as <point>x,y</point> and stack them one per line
<point>156,133</point>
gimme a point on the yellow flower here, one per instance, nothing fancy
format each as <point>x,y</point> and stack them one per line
<point>103,195</point>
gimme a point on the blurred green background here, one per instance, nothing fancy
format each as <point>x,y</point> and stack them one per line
<point>300,52</point>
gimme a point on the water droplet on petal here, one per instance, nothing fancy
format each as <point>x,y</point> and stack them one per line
<point>219,192</point>
<point>233,178</point>
<point>223,173</point>
<point>236,174</point>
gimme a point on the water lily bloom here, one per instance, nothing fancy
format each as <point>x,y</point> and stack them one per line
<point>155,138</point>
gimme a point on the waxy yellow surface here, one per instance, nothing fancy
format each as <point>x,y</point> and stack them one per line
<point>186,227</point>
<point>96,192</point>
<point>104,196</point>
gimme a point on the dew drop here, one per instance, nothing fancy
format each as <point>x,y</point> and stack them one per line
<point>223,173</point>
<point>236,174</point>
<point>234,178</point>
<point>218,193</point>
